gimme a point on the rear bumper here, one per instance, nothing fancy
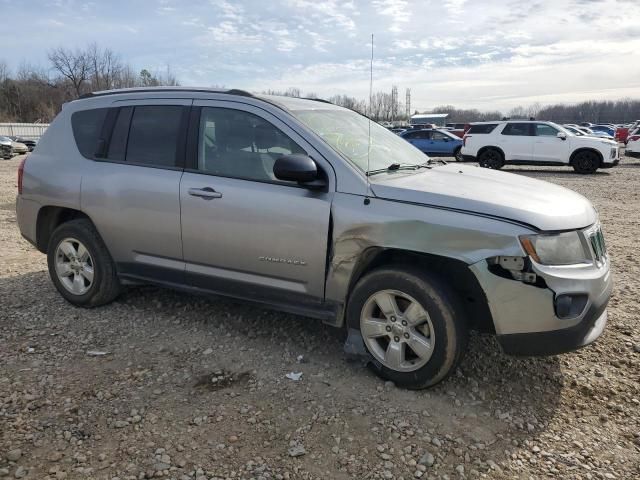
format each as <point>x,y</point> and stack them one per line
<point>27,215</point>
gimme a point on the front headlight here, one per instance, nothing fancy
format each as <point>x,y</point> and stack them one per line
<point>556,249</point>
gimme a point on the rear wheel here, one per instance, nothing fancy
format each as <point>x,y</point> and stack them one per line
<point>458,154</point>
<point>585,162</point>
<point>491,158</point>
<point>411,325</point>
<point>80,265</point>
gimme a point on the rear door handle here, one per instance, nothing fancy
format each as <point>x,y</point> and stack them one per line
<point>206,193</point>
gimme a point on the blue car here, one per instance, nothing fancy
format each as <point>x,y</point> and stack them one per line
<point>603,128</point>
<point>438,143</point>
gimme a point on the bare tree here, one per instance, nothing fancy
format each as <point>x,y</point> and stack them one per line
<point>4,71</point>
<point>73,66</point>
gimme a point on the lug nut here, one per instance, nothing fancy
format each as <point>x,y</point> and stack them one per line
<point>406,335</point>
<point>404,323</point>
<point>397,339</point>
<point>388,328</point>
<point>393,318</point>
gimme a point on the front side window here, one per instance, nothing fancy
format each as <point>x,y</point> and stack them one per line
<point>419,135</point>
<point>153,135</point>
<point>544,130</point>
<point>517,129</point>
<point>439,136</point>
<point>238,144</point>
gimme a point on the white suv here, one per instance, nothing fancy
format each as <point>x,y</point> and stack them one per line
<point>494,144</point>
<point>633,144</point>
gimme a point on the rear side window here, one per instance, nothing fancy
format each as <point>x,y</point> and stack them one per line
<point>517,129</point>
<point>119,135</point>
<point>87,128</point>
<point>154,134</point>
<point>483,128</point>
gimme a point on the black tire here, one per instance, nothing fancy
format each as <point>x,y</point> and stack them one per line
<point>105,286</point>
<point>444,311</point>
<point>457,153</point>
<point>491,158</point>
<point>585,162</point>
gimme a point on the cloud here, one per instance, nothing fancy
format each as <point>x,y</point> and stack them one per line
<point>490,54</point>
<point>397,10</point>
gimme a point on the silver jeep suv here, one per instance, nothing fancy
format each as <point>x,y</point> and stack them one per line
<point>310,208</point>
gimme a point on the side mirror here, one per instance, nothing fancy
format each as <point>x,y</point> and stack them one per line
<point>562,135</point>
<point>296,167</point>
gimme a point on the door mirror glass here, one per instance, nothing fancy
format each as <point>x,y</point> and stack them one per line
<point>295,167</point>
<point>562,135</point>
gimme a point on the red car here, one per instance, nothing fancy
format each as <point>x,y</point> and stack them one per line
<point>622,133</point>
<point>458,129</point>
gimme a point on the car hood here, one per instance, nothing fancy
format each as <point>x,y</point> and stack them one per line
<point>540,204</point>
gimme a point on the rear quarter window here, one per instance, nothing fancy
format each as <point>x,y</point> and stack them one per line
<point>484,128</point>
<point>87,127</point>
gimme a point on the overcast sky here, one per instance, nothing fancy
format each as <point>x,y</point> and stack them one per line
<point>482,54</point>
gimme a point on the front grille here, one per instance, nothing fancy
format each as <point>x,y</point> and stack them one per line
<point>597,244</point>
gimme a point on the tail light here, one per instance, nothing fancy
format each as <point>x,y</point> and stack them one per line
<point>21,174</point>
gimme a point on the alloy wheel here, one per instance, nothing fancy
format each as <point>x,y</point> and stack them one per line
<point>74,266</point>
<point>397,330</point>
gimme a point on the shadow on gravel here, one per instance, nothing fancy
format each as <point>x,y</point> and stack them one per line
<point>523,392</point>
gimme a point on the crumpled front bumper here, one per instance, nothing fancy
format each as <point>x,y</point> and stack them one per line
<point>524,315</point>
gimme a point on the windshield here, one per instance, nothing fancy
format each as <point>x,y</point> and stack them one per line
<point>347,132</point>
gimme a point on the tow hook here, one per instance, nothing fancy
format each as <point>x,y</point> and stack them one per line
<point>515,266</point>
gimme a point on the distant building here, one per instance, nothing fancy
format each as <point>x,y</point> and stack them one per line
<point>437,118</point>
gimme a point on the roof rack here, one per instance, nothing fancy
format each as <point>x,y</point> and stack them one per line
<point>102,93</point>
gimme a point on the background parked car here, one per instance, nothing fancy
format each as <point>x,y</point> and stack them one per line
<point>604,128</point>
<point>31,144</point>
<point>593,133</point>
<point>19,148</point>
<point>621,134</point>
<point>495,144</point>
<point>633,144</point>
<point>6,150</point>
<point>435,142</point>
<point>458,129</point>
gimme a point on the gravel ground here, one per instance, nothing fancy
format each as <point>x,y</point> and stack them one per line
<point>149,408</point>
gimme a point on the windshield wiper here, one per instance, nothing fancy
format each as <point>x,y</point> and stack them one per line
<point>398,166</point>
<point>431,160</point>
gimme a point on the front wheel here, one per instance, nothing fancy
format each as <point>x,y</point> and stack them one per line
<point>411,324</point>
<point>458,154</point>
<point>585,162</point>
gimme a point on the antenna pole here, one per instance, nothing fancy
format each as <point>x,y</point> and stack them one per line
<point>370,115</point>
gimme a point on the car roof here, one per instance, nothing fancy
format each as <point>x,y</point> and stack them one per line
<point>285,102</point>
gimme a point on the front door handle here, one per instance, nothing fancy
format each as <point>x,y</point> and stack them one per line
<point>206,192</point>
